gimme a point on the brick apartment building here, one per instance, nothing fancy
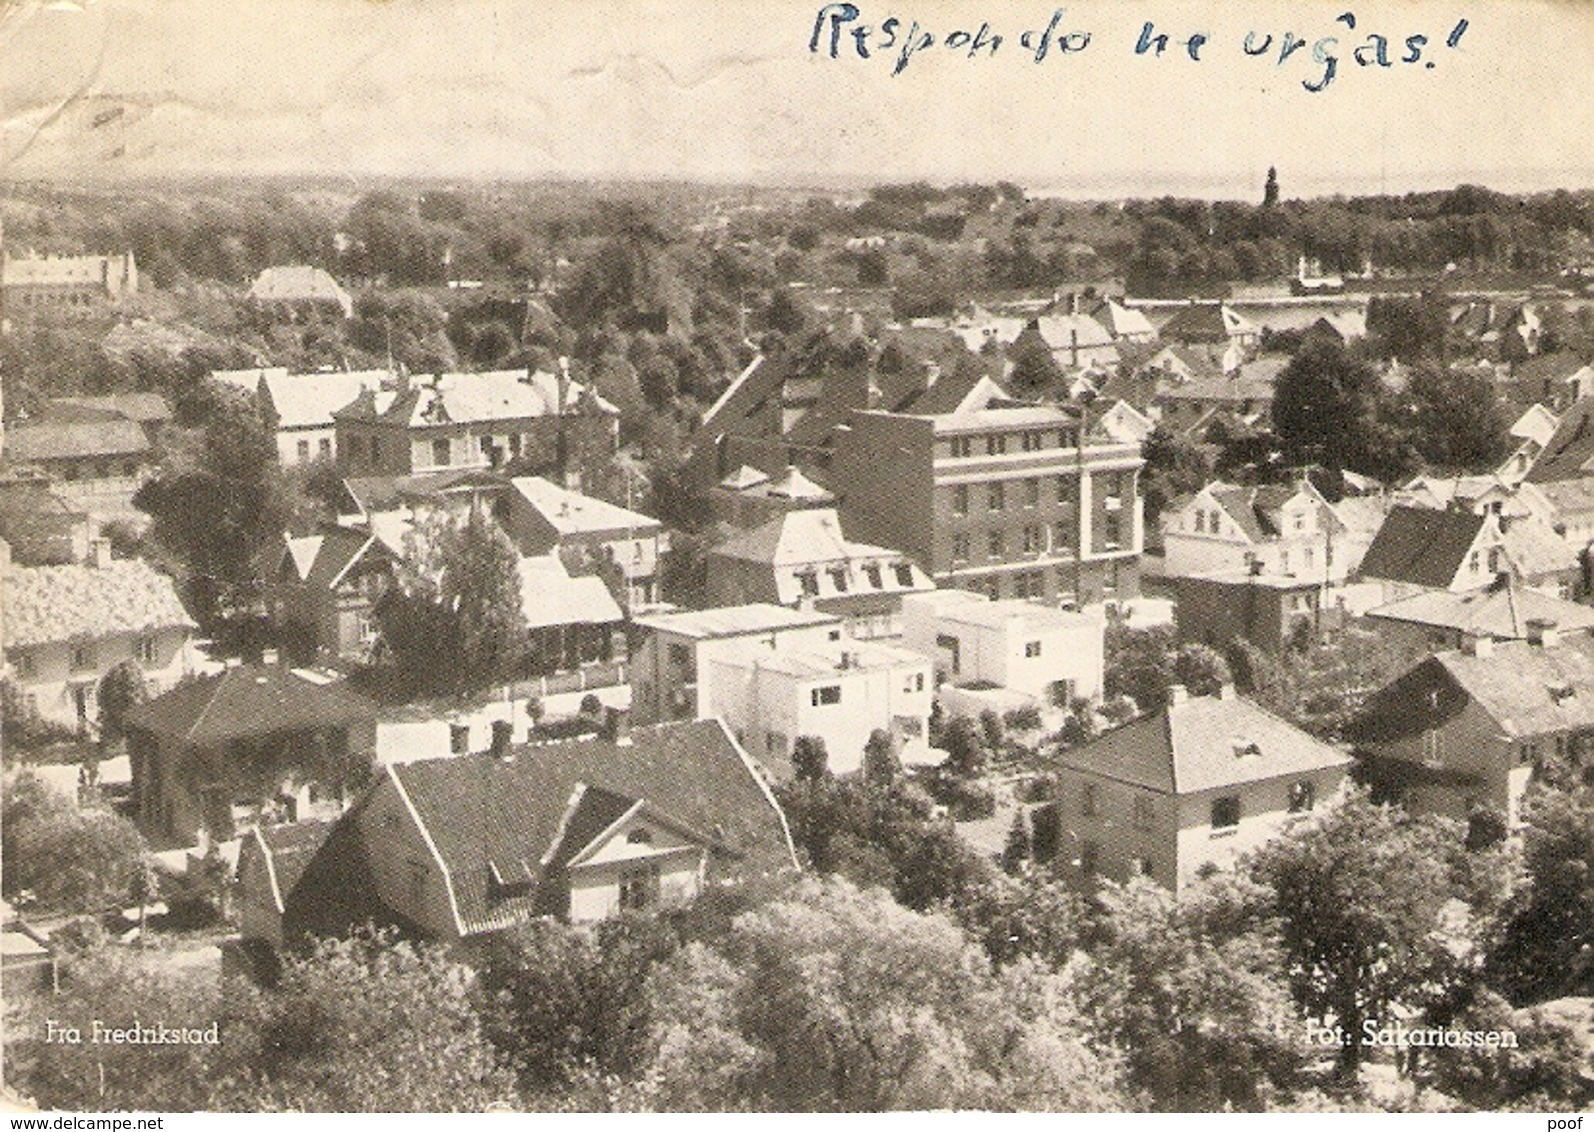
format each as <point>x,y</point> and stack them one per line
<point>996,497</point>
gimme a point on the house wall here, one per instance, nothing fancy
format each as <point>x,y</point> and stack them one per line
<point>769,710</point>
<point>1470,743</point>
<point>678,863</point>
<point>1264,811</point>
<point>45,672</point>
<point>996,654</point>
<point>407,877</point>
<point>666,668</point>
<point>1126,843</point>
<point>891,502</point>
<point>318,443</point>
<point>1214,612</point>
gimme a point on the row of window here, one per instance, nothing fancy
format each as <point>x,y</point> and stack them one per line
<point>1225,810</point>
<point>82,658</point>
<point>101,469</point>
<point>838,576</point>
<point>1033,539</point>
<point>998,443</point>
<point>323,450</point>
<point>58,299</point>
<point>1027,492</point>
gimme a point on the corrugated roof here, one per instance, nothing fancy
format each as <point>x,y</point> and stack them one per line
<point>45,604</point>
<point>1420,546</point>
<point>1205,743</point>
<point>480,810</point>
<point>249,700</point>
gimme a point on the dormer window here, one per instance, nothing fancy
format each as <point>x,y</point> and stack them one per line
<point>1560,692</point>
<point>809,580</point>
<point>509,882</point>
<point>872,573</point>
<point>838,579</point>
<point>1246,749</point>
<point>639,836</point>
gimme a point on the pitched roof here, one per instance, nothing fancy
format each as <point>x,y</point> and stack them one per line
<point>743,478</point>
<point>111,435</point>
<point>45,604</point>
<point>384,493</point>
<point>1120,320</point>
<point>1204,743</point>
<point>1526,689</point>
<point>813,539</point>
<point>145,408</point>
<point>550,596</point>
<point>338,549</point>
<point>1227,390</point>
<point>1254,510</point>
<point>470,398</point>
<point>1570,452</point>
<point>1534,549</point>
<point>286,851</point>
<point>1500,610</point>
<point>249,700</point>
<point>1206,322</point>
<point>308,400</point>
<point>297,283</point>
<point>1420,546</point>
<point>1345,325</point>
<point>570,512</point>
<point>1556,367</point>
<point>482,811</point>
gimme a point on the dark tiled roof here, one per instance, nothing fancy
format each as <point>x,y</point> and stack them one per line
<point>1421,547</point>
<point>1199,322</point>
<point>249,700</point>
<point>335,891</point>
<point>1570,449</point>
<point>340,548</point>
<point>482,811</point>
<point>1205,743</point>
<point>289,850</point>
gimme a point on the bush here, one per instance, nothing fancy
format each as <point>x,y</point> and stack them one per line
<point>1023,719</point>
<point>1039,788</point>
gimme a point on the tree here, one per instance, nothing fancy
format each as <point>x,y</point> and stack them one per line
<point>1329,408</point>
<point>560,1000</point>
<point>881,764</point>
<point>832,999</point>
<point>1035,371</point>
<point>809,760</point>
<point>60,858</point>
<point>363,1024</point>
<point>1205,1018</point>
<point>218,507</point>
<point>1016,851</point>
<point>1174,468</point>
<point>1202,670</point>
<point>1139,664</point>
<point>121,689</point>
<point>454,620</point>
<point>1361,895</point>
<point>964,743</point>
<point>1457,421</point>
<point>1547,947</point>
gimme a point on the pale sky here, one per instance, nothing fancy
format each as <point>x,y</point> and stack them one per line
<point>730,92</point>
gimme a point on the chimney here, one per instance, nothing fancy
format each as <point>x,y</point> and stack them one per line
<point>501,738</point>
<point>1073,347</point>
<point>1177,694</point>
<point>617,726</point>
<point>100,552</point>
<point>458,738</point>
<point>269,657</point>
<point>932,374</point>
<point>1480,645</point>
<point>1543,633</point>
<point>1226,692</point>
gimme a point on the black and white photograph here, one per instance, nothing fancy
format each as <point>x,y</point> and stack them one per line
<point>933,556</point>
